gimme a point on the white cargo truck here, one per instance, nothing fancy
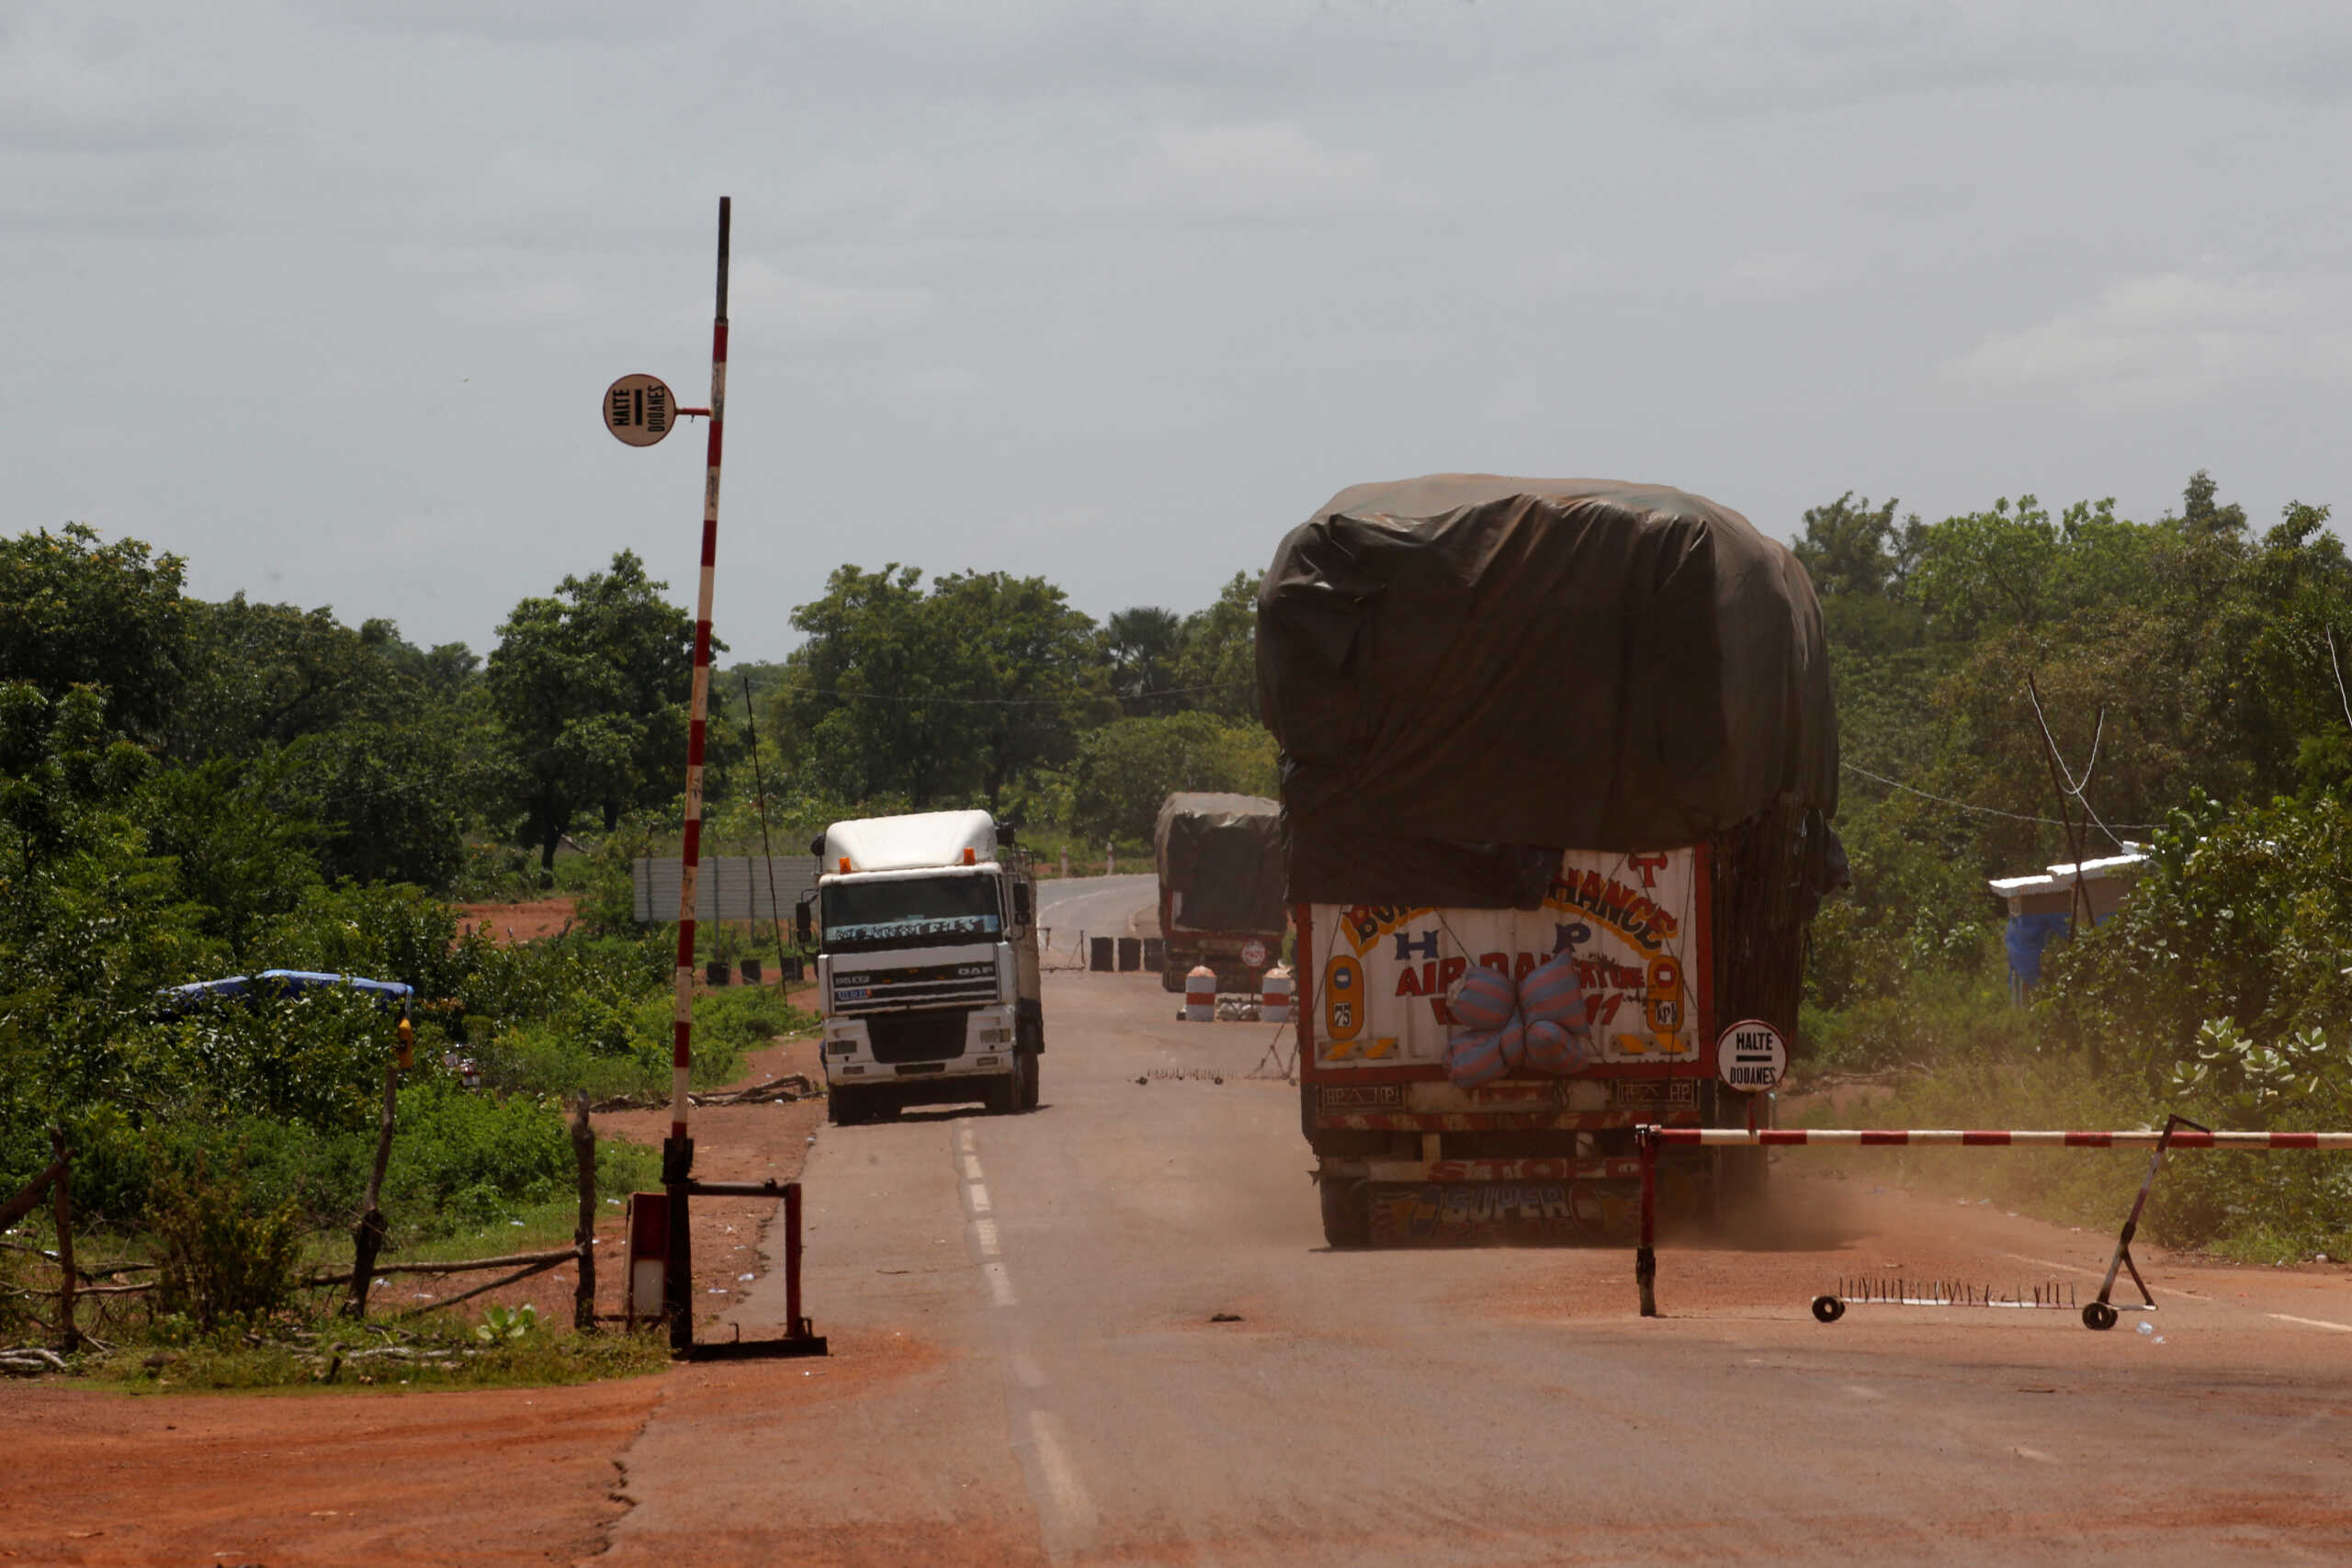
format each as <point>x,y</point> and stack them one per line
<point>926,935</point>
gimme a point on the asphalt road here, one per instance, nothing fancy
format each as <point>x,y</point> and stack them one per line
<point>1071,908</point>
<point>1029,1368</point>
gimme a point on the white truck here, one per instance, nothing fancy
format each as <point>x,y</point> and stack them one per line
<point>926,936</point>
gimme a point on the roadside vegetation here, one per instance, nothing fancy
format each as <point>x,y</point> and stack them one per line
<point>2223,988</point>
<point>190,790</point>
<point>194,790</point>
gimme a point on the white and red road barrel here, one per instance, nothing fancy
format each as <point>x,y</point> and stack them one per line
<point>1274,995</point>
<point>1200,995</point>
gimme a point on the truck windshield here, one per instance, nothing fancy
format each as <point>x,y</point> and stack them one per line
<point>865,915</point>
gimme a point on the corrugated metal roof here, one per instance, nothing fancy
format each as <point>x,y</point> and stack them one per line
<point>2058,878</point>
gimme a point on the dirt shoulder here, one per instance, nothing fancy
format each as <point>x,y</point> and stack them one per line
<point>334,1479</point>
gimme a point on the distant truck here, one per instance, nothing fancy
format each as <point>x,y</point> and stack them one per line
<point>1219,858</point>
<point>1523,719</point>
<point>926,936</point>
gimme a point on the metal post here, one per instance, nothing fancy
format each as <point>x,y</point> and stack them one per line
<point>793,1323</point>
<point>678,1150</point>
<point>767,850</point>
<point>2100,1314</point>
<point>1645,1255</point>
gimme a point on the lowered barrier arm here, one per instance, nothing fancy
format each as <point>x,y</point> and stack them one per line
<point>2177,1133</point>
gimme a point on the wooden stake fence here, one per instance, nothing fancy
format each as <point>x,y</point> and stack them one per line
<point>367,1236</point>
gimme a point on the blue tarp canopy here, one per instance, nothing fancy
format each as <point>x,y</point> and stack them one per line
<point>286,982</point>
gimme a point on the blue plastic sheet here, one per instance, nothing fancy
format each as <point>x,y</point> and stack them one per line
<point>285,982</point>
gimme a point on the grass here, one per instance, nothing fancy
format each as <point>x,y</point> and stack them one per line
<point>536,1228</point>
<point>2281,1207</point>
<point>427,1353</point>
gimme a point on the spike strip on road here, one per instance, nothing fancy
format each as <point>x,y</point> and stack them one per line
<point>690,848</point>
<point>2138,1137</point>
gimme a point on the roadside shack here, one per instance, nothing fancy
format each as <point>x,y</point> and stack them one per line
<point>2043,908</point>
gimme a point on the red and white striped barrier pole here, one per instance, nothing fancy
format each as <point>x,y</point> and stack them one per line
<point>2176,1134</point>
<point>678,1149</point>
<point>1645,1253</point>
<point>2136,1137</point>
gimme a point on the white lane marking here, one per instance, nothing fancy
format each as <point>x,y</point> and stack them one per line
<point>2036,1454</point>
<point>1860,1392</point>
<point>964,1139</point>
<point>1069,1498</point>
<point>999,1284</point>
<point>2313,1323</point>
<point>984,1232</point>
<point>971,1167</point>
<point>980,1198</point>
<point>2094,1273</point>
<point>1025,1369</point>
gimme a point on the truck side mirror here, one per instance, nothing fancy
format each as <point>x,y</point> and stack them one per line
<point>1020,903</point>
<point>803,929</point>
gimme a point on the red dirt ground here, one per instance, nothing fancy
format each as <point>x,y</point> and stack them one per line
<point>489,1476</point>
<point>518,922</point>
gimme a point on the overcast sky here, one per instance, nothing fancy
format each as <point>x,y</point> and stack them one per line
<point>322,297</point>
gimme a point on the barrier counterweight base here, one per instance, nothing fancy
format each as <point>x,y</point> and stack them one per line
<point>799,1338</point>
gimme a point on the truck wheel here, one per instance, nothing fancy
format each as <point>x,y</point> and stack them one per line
<point>1003,1094</point>
<point>1347,1212</point>
<point>1026,1054</point>
<point>1171,977</point>
<point>844,1107</point>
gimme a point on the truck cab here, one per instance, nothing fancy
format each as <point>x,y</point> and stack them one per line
<point>927,977</point>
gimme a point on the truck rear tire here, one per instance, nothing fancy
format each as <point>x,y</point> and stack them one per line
<point>1347,1212</point>
<point>844,1107</point>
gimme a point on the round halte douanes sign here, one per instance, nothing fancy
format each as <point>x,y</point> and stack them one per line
<point>639,409</point>
<point>1751,1056</point>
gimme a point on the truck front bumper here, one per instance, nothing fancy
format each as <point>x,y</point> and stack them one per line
<point>988,1034</point>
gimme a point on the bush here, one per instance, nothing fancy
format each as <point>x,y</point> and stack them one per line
<point>1939,1017</point>
<point>2243,915</point>
<point>2267,1207</point>
<point>222,1256</point>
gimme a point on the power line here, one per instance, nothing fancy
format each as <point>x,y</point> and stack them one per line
<point>1964,805</point>
<point>986,702</point>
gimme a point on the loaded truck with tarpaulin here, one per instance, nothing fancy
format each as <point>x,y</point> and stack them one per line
<point>1576,735</point>
<point>1220,866</point>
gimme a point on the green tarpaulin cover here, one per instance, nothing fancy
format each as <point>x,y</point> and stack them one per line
<point>1221,853</point>
<point>1469,674</point>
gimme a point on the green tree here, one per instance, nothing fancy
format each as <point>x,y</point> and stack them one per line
<point>1142,645</point>
<point>1128,767</point>
<point>265,675</point>
<point>77,611</point>
<point>1031,659</point>
<point>590,686</point>
<point>932,697</point>
<point>1218,664</point>
<point>390,801</point>
<point>240,858</point>
<point>61,772</point>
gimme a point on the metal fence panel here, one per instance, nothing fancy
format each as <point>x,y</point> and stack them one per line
<point>732,887</point>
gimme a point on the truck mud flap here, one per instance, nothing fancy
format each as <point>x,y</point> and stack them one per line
<point>1522,1214</point>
